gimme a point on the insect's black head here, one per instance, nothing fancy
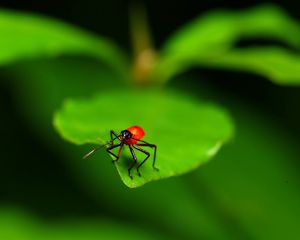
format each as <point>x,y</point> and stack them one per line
<point>126,134</point>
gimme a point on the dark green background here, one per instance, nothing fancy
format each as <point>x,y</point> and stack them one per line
<point>34,175</point>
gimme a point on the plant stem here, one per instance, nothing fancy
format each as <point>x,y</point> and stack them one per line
<point>144,54</point>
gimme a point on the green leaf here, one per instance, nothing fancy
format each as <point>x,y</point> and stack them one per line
<point>24,35</point>
<point>187,133</point>
<point>210,39</point>
<point>277,64</point>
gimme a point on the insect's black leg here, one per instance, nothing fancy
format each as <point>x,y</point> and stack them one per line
<point>134,161</point>
<point>119,152</point>
<point>145,144</point>
<point>113,136</point>
<point>143,151</point>
<point>113,154</point>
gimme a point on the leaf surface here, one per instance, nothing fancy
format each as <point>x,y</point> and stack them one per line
<point>187,133</point>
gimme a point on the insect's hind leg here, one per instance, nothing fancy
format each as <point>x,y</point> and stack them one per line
<point>145,144</point>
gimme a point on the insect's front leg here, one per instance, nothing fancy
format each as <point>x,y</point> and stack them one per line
<point>147,156</point>
<point>113,136</point>
<point>113,154</point>
<point>133,163</point>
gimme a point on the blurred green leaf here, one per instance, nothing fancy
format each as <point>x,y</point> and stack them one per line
<point>209,41</point>
<point>278,64</point>
<point>25,35</point>
<point>18,225</point>
<point>187,133</point>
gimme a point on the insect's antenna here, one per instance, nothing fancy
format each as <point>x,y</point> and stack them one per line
<point>97,148</point>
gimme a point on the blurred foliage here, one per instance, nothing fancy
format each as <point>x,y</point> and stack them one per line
<point>210,42</point>
<point>25,36</point>
<point>250,191</point>
<point>16,225</point>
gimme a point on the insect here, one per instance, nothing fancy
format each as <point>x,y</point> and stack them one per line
<point>132,138</point>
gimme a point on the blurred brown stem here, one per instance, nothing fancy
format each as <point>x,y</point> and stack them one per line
<point>144,54</point>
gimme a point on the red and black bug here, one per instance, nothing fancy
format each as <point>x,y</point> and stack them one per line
<point>132,138</point>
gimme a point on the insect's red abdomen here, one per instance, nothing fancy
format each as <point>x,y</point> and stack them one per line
<point>137,133</point>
